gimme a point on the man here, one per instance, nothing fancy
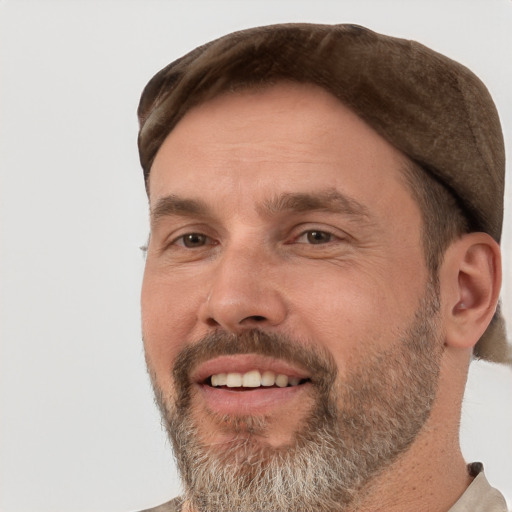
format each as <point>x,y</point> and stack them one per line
<point>326,207</point>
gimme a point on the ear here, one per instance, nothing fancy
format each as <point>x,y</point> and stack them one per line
<point>470,281</point>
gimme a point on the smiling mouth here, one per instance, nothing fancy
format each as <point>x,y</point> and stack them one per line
<point>253,379</point>
<point>250,384</point>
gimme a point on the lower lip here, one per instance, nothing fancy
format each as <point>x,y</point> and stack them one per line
<point>253,401</point>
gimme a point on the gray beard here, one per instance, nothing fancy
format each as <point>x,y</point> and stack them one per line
<point>356,430</point>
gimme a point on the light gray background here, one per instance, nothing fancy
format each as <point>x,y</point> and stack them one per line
<point>79,431</point>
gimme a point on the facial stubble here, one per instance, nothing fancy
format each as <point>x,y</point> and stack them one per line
<point>356,429</point>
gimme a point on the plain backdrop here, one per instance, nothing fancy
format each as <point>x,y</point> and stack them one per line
<point>78,428</point>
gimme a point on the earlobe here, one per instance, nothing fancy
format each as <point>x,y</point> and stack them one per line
<point>470,280</point>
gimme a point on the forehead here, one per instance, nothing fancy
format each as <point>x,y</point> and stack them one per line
<point>287,137</point>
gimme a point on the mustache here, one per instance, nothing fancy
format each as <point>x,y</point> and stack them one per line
<point>319,363</point>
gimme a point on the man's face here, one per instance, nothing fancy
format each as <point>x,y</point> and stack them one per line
<point>285,246</point>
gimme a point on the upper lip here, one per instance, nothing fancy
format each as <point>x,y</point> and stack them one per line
<point>242,363</point>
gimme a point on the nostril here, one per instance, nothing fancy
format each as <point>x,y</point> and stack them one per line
<point>256,318</point>
<point>211,322</point>
<point>233,324</point>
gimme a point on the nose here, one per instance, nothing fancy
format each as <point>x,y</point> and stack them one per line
<point>243,293</point>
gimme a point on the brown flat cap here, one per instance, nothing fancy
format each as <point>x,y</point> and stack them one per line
<point>430,107</point>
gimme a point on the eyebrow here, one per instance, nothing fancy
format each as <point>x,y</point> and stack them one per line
<point>175,205</point>
<point>329,200</point>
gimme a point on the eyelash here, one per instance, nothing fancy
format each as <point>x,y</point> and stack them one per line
<point>313,233</point>
<point>309,233</point>
<point>182,239</point>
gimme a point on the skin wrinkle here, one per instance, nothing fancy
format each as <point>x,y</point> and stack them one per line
<point>329,200</point>
<point>376,313</point>
<point>395,387</point>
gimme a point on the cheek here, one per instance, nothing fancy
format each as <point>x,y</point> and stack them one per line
<point>167,322</point>
<point>352,312</point>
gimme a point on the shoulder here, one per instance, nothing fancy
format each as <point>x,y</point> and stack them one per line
<point>480,495</point>
<point>171,506</point>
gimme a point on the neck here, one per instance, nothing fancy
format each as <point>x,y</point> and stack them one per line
<point>432,475</point>
<point>430,483</point>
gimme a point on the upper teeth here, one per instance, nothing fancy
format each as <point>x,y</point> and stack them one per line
<point>253,379</point>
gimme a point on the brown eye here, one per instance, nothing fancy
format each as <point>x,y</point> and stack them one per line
<point>192,240</point>
<point>318,237</point>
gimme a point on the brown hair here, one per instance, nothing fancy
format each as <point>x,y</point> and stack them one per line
<point>444,219</point>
